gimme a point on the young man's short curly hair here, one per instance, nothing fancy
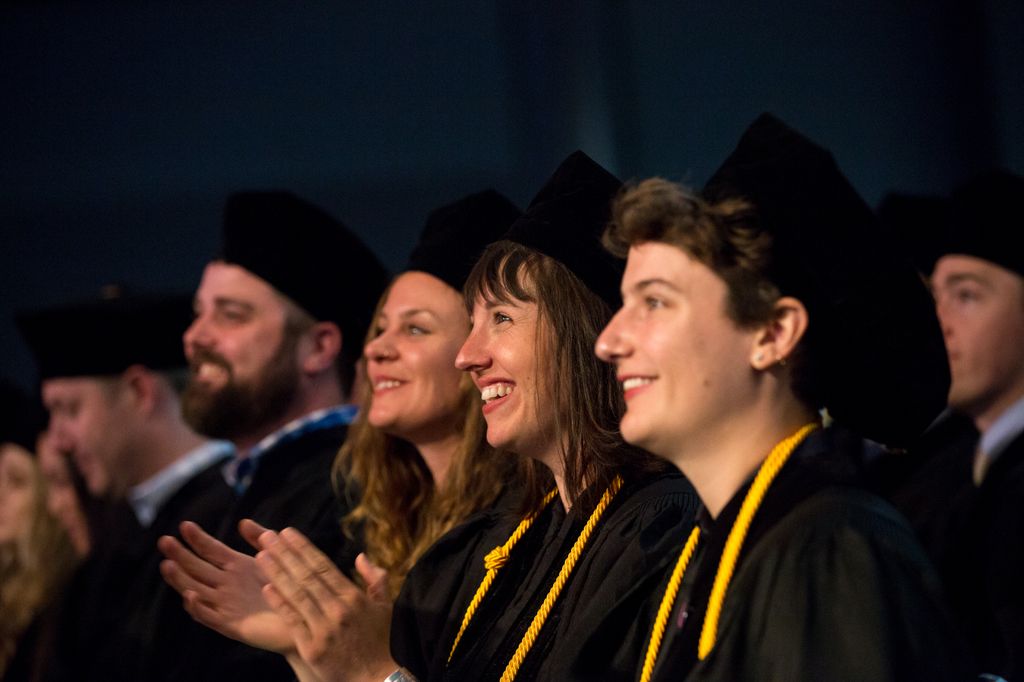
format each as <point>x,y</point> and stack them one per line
<point>728,238</point>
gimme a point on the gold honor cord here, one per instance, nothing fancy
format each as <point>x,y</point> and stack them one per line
<point>766,473</point>
<point>665,609</point>
<point>563,576</point>
<point>493,561</point>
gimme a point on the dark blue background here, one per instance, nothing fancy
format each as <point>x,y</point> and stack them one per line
<point>125,124</point>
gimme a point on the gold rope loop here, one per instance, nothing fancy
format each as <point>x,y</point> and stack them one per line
<point>665,609</point>
<point>493,561</point>
<point>563,576</point>
<point>738,533</point>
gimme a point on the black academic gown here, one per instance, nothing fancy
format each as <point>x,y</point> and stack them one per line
<point>638,532</point>
<point>291,487</point>
<point>121,621</point>
<point>973,536</point>
<point>830,585</point>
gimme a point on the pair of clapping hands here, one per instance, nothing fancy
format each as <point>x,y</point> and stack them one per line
<point>289,599</point>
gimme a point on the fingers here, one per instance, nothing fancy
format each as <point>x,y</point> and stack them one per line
<point>375,577</point>
<point>316,562</point>
<point>177,578</point>
<point>251,531</point>
<point>205,545</point>
<point>294,582</point>
<point>193,566</point>
<point>283,608</point>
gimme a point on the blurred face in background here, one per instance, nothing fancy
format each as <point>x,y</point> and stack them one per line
<point>410,361</point>
<point>981,308</point>
<point>61,495</point>
<point>19,486</point>
<point>89,420</point>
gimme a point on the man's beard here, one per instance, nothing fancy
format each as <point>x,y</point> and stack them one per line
<point>237,411</point>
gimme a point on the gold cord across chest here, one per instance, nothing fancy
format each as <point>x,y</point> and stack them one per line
<point>766,473</point>
<point>497,558</point>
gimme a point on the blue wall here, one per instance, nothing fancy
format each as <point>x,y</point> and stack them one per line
<point>124,124</point>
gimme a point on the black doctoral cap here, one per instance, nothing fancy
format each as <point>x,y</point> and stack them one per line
<point>873,333</point>
<point>921,224</point>
<point>105,336</point>
<point>988,221</point>
<point>456,234</point>
<point>565,221</point>
<point>22,417</point>
<point>306,255</point>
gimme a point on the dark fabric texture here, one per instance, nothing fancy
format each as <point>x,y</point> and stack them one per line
<point>120,620</point>
<point>456,234</point>
<point>972,534</point>
<point>640,529</point>
<point>986,223</point>
<point>877,348</point>
<point>920,224</point>
<point>306,255</point>
<point>830,585</point>
<point>291,488</point>
<point>109,335</point>
<point>565,221</point>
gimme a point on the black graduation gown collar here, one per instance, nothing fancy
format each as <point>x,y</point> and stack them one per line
<point>825,458</point>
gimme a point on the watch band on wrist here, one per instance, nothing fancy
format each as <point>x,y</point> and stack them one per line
<point>401,675</point>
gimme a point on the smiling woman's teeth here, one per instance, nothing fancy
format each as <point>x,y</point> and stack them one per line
<point>389,383</point>
<point>495,391</point>
<point>634,382</point>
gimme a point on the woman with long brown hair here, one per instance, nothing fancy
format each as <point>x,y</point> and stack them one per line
<point>515,592</point>
<point>415,460</point>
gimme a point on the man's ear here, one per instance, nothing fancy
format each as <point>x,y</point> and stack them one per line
<point>138,386</point>
<point>778,338</point>
<point>323,347</point>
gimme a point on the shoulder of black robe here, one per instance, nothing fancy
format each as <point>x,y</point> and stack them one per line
<point>641,527</point>
<point>436,591</point>
<point>988,593</point>
<point>831,584</point>
<point>291,487</point>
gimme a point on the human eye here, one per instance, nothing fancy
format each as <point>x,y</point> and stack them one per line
<point>416,330</point>
<point>966,295</point>
<point>500,317</point>
<point>653,302</point>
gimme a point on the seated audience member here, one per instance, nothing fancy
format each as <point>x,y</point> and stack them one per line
<point>513,595</point>
<point>279,319</point>
<point>745,312</point>
<point>415,459</point>
<point>969,498</point>
<point>114,405</point>
<point>65,491</point>
<point>35,554</point>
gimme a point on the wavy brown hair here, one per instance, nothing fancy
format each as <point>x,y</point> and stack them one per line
<point>399,511</point>
<point>32,569</point>
<point>587,398</point>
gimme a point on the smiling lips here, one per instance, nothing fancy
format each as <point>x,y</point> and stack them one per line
<point>632,385</point>
<point>386,384</point>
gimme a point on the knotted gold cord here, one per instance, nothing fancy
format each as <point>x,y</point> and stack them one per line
<point>665,609</point>
<point>493,561</point>
<point>563,576</point>
<point>766,473</point>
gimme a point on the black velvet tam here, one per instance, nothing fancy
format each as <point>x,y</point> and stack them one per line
<point>456,234</point>
<point>921,224</point>
<point>104,337</point>
<point>565,221</point>
<point>987,219</point>
<point>22,417</point>
<point>873,333</point>
<point>306,255</point>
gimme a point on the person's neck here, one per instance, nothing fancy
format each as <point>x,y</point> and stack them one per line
<point>439,453</point>
<point>721,460</point>
<point>165,442</point>
<point>985,418</point>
